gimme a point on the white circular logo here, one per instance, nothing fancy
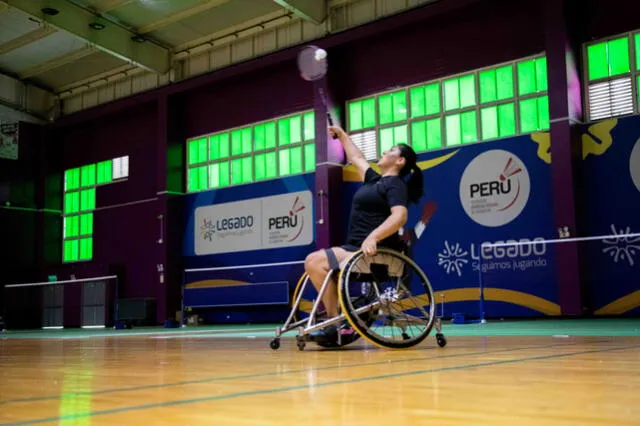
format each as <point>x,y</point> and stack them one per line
<point>494,188</point>
<point>634,164</point>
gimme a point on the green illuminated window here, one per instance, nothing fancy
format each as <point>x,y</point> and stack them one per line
<point>637,51</point>
<point>218,146</point>
<point>461,128</point>
<point>496,84</point>
<point>362,114</point>
<point>427,134</point>
<point>88,175</point>
<point>86,224</point>
<point>241,170</point>
<point>391,136</point>
<point>309,157</point>
<point>425,100</point>
<point>79,201</point>
<point>105,172</point>
<point>534,114</point>
<point>86,249</point>
<point>87,200</point>
<point>71,202</point>
<point>71,226</point>
<point>475,106</point>
<point>459,92</point>
<point>198,178</point>
<point>265,150</point>
<point>609,58</point>
<point>392,107</point>
<point>290,161</point>
<point>265,165</point>
<point>241,141</point>
<point>71,250</point>
<point>218,175</point>
<point>309,126</point>
<point>71,179</point>
<point>498,121</point>
<point>198,151</point>
<point>532,76</point>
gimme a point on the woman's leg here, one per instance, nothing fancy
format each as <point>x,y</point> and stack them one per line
<point>317,266</point>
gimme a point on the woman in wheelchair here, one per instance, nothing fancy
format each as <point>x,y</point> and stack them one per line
<point>378,212</point>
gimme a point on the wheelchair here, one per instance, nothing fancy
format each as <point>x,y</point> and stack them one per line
<point>385,299</point>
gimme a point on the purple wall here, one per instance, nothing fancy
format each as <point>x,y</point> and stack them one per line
<point>250,97</point>
<point>21,203</point>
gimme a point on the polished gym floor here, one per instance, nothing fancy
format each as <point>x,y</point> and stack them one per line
<point>568,372</point>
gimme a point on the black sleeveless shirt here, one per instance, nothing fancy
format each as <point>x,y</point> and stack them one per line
<point>371,206</point>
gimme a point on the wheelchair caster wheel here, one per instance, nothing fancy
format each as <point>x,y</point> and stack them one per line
<point>301,346</point>
<point>442,342</point>
<point>275,344</point>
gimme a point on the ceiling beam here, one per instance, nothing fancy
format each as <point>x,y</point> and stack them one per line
<point>103,6</point>
<point>314,11</point>
<point>3,6</point>
<point>112,38</point>
<point>56,62</point>
<point>23,40</point>
<point>181,15</point>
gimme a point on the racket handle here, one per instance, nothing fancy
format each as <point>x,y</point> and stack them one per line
<point>333,135</point>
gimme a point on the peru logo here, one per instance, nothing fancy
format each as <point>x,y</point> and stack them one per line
<point>495,188</point>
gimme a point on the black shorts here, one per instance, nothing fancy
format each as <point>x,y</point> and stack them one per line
<point>350,247</point>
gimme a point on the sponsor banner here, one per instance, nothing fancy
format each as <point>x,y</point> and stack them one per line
<point>260,223</point>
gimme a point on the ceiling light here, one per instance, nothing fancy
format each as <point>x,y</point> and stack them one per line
<point>97,26</point>
<point>49,11</point>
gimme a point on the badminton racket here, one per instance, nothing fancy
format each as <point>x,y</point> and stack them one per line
<point>312,64</point>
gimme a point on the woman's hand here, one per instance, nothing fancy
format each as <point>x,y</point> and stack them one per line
<point>369,246</point>
<point>337,132</point>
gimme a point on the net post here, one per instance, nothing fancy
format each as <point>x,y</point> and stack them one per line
<point>481,285</point>
<point>182,284</point>
<point>115,303</point>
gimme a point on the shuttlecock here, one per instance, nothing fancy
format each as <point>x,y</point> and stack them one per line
<point>321,54</point>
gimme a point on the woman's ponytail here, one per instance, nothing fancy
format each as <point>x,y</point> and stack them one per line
<point>415,184</point>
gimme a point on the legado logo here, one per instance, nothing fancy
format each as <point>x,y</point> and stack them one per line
<point>494,188</point>
<point>229,226</point>
<point>634,164</point>
<point>513,255</point>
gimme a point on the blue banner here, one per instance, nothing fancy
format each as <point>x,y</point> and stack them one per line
<point>611,179</point>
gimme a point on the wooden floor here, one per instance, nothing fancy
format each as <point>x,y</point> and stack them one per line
<point>201,380</point>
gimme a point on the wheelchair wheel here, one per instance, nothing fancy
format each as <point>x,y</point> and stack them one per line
<point>303,310</point>
<point>402,313</point>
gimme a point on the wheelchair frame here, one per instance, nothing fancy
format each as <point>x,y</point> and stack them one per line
<point>308,325</point>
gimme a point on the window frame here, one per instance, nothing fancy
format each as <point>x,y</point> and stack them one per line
<point>633,74</point>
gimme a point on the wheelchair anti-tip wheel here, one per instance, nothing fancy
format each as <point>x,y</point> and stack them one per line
<point>402,313</point>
